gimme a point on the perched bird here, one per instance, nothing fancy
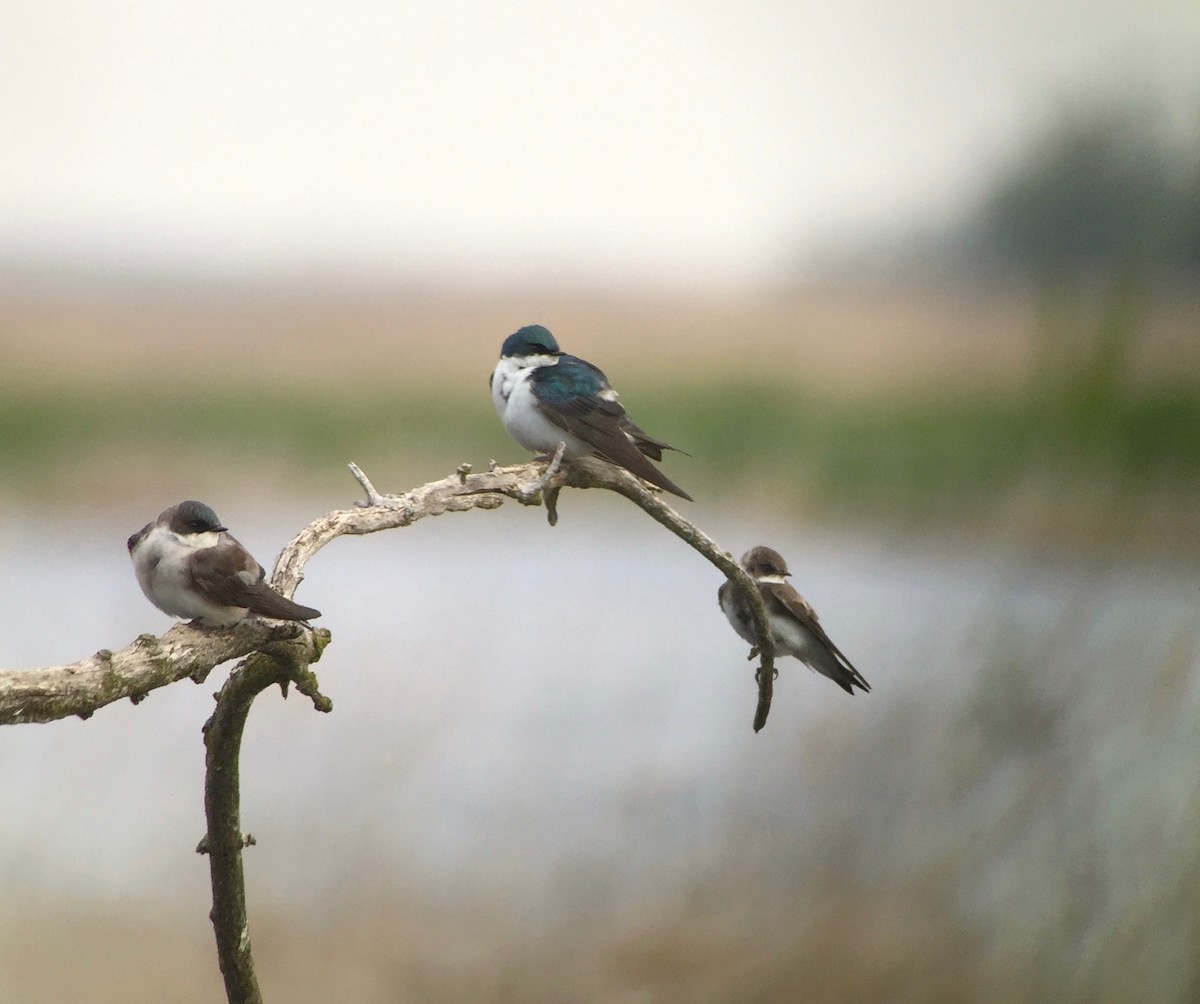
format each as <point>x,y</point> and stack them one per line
<point>545,397</point>
<point>794,624</point>
<point>189,565</point>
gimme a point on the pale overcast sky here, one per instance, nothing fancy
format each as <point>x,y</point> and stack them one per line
<point>685,139</point>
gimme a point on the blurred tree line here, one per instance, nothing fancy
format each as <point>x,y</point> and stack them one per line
<point>1102,188</point>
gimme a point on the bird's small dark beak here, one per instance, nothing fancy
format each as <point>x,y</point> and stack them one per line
<point>222,529</point>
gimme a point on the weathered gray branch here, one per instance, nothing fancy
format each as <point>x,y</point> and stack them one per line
<point>44,695</point>
<point>282,653</point>
<point>597,474</point>
<point>224,842</point>
<point>462,491</point>
<point>528,484</point>
<point>83,687</point>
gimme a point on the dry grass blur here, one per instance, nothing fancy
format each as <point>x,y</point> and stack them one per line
<point>861,338</point>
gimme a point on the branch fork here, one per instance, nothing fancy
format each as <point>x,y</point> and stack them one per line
<point>283,652</point>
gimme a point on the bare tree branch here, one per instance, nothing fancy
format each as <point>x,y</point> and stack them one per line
<point>597,474</point>
<point>44,695</point>
<point>281,653</point>
<point>464,490</point>
<point>528,484</point>
<point>184,652</point>
<point>224,842</point>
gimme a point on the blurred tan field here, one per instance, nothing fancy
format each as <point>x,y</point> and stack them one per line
<point>853,338</point>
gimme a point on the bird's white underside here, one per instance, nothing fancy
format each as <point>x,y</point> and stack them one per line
<point>790,637</point>
<point>160,562</point>
<point>512,395</point>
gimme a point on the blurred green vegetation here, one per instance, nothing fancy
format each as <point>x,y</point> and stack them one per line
<point>885,454</point>
<point>901,450</point>
<point>1079,422</point>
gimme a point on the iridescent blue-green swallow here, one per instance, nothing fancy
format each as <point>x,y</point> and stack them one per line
<point>545,397</point>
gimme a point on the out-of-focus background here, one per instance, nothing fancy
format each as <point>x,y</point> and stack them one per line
<point>918,291</point>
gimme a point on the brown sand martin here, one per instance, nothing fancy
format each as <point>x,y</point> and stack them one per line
<point>545,397</point>
<point>793,622</point>
<point>189,565</point>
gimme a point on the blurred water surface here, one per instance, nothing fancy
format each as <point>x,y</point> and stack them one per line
<point>555,721</point>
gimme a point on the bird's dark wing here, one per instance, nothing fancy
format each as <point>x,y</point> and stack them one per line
<point>651,447</point>
<point>229,576</point>
<point>577,397</point>
<point>799,608</point>
<point>269,603</point>
<point>589,373</point>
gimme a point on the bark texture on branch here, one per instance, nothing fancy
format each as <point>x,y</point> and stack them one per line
<point>224,841</point>
<point>529,484</point>
<point>149,662</point>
